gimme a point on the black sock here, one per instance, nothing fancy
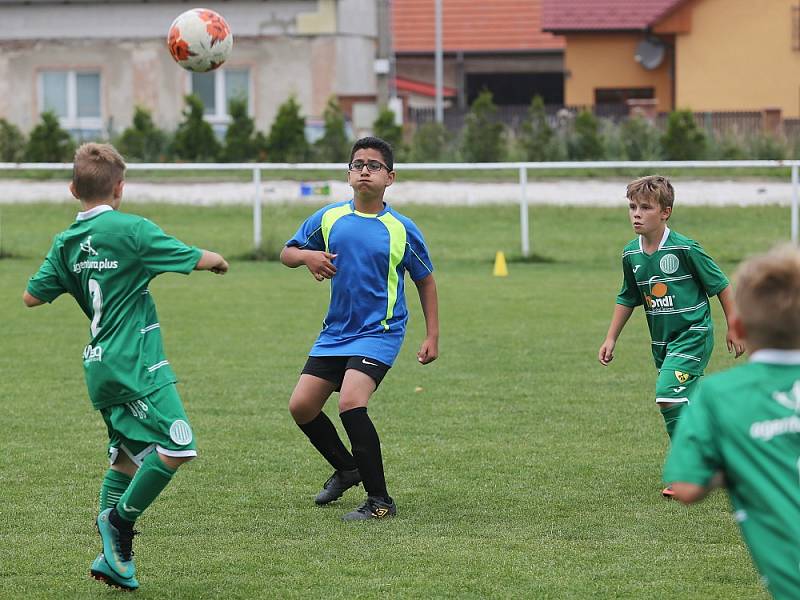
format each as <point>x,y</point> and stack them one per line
<point>323,436</point>
<point>366,450</point>
<point>118,521</point>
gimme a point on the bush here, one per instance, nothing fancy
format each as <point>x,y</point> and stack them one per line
<point>585,142</point>
<point>194,139</point>
<point>333,146</point>
<point>48,142</point>
<point>536,137</point>
<point>12,142</point>
<point>240,138</point>
<point>683,140</point>
<point>430,143</point>
<point>483,139</point>
<point>765,146</point>
<point>142,141</point>
<point>287,138</point>
<point>385,128</point>
<point>640,139</point>
<point>727,146</point>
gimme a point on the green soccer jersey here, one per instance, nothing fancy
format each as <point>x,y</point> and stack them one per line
<point>674,284</point>
<point>106,260</point>
<point>745,422</point>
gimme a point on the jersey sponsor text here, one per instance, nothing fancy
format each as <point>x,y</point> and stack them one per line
<point>98,265</point>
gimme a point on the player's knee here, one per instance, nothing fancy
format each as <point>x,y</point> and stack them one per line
<point>173,462</point>
<point>300,411</point>
<point>349,403</point>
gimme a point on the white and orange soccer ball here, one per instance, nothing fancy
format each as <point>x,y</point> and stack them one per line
<point>200,40</point>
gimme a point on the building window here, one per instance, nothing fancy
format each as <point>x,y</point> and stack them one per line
<point>217,88</point>
<point>74,96</point>
<point>621,95</point>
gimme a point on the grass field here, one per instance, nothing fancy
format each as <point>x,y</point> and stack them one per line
<point>522,469</point>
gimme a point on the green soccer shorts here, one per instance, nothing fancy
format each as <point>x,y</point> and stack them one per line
<point>155,422</point>
<point>676,386</point>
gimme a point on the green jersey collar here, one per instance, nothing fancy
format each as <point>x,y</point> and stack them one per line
<point>93,212</point>
<point>776,357</point>
<point>660,244</point>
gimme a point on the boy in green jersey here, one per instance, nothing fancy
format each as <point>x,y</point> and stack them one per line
<point>743,429</point>
<point>106,260</point>
<point>673,278</point>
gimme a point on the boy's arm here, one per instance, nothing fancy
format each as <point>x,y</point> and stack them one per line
<point>689,493</point>
<point>429,299</point>
<point>31,301</point>
<point>726,301</point>
<point>621,315</point>
<point>211,261</point>
<point>317,261</point>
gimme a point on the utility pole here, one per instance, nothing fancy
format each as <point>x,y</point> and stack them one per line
<point>438,65</point>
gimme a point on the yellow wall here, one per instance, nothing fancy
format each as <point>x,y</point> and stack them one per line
<point>738,56</point>
<point>607,61</point>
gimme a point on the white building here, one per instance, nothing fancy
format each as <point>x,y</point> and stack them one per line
<point>92,62</point>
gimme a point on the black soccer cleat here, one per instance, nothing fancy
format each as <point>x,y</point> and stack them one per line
<point>373,508</point>
<point>337,484</point>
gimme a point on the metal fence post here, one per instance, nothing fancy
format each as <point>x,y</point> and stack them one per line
<point>257,209</point>
<point>523,211</point>
<point>795,184</point>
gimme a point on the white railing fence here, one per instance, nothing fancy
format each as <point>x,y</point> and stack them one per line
<point>521,167</point>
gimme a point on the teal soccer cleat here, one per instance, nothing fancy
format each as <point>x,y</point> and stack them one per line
<point>102,572</point>
<point>117,545</point>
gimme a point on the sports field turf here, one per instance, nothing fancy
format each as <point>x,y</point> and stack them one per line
<point>522,468</point>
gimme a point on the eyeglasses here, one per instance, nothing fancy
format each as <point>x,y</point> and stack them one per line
<point>373,166</point>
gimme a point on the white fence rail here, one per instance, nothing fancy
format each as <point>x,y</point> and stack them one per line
<point>521,167</point>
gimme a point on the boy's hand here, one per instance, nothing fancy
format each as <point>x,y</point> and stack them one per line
<point>734,344</point>
<point>428,352</point>
<point>606,353</point>
<point>320,265</point>
<point>221,267</point>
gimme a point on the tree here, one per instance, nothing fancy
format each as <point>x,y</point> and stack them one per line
<point>586,143</point>
<point>683,140</point>
<point>640,139</point>
<point>287,137</point>
<point>430,143</point>
<point>483,139</point>
<point>240,138</point>
<point>48,142</point>
<point>194,139</point>
<point>537,138</point>
<point>142,140</point>
<point>385,128</point>
<point>12,142</point>
<point>333,146</point>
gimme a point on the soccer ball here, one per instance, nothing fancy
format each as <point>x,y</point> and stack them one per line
<point>200,40</point>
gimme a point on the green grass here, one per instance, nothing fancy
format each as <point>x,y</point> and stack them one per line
<point>521,469</point>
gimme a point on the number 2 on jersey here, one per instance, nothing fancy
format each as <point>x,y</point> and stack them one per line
<point>97,306</point>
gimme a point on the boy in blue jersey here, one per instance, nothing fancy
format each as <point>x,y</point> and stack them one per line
<point>673,278</point>
<point>365,248</point>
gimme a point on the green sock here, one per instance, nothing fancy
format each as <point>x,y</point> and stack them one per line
<point>152,477</point>
<point>671,416</point>
<point>113,486</point>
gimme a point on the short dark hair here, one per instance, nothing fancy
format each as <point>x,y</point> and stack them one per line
<point>97,169</point>
<point>378,144</point>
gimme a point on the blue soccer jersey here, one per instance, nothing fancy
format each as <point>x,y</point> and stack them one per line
<point>367,315</point>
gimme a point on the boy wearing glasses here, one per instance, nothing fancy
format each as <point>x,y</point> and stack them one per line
<point>365,248</point>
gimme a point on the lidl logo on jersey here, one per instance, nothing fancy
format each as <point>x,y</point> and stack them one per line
<point>658,299</point>
<point>92,354</point>
<point>97,265</point>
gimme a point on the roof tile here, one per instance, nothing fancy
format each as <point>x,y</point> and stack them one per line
<point>472,25</point>
<point>603,15</point>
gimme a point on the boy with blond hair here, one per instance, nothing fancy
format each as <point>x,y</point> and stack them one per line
<point>106,260</point>
<point>743,429</point>
<point>673,278</point>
